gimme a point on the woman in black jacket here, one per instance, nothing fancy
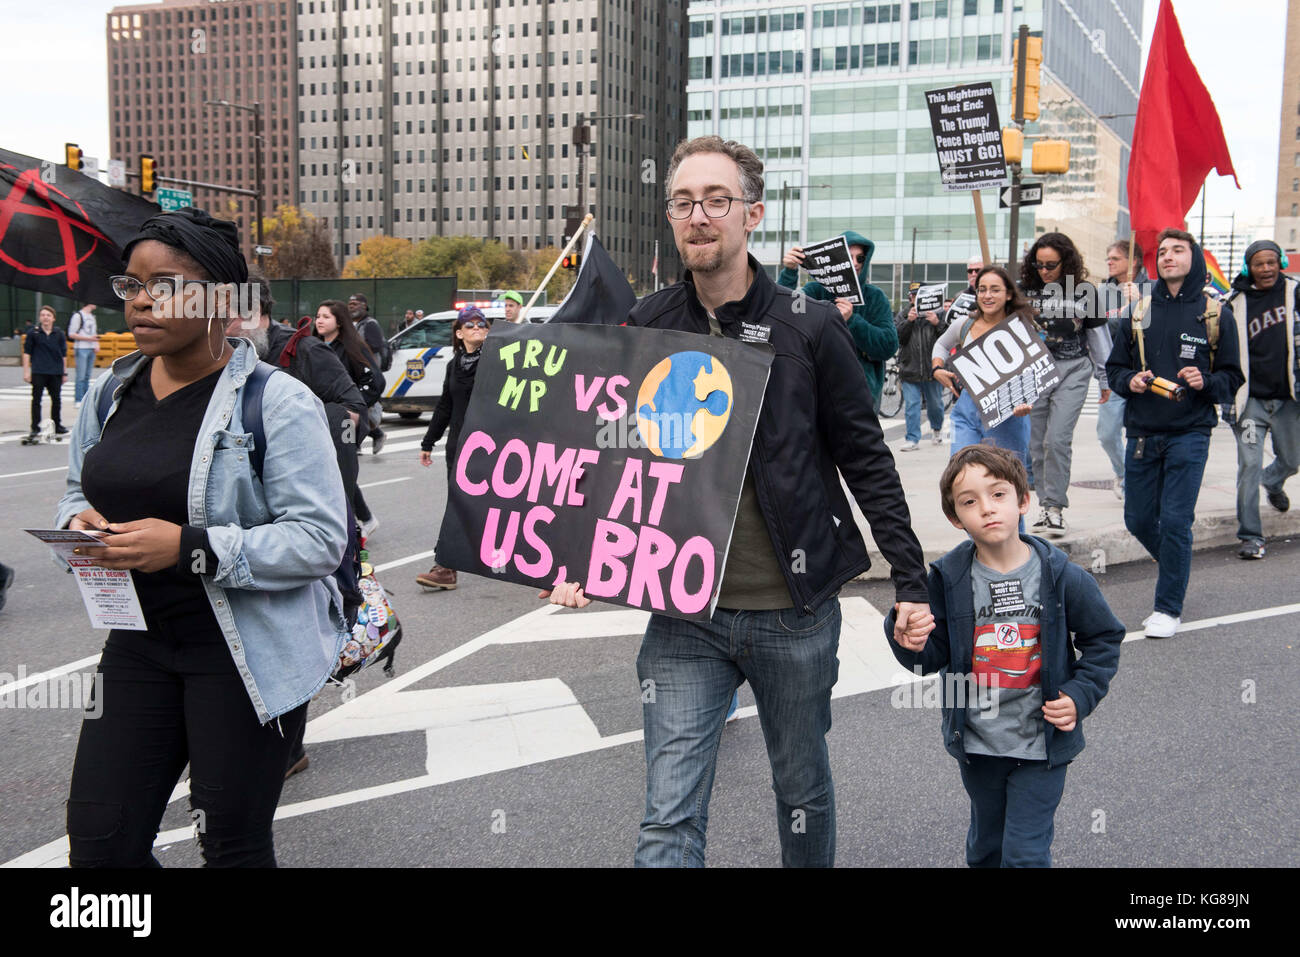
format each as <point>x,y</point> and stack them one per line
<point>334,325</point>
<point>468,331</point>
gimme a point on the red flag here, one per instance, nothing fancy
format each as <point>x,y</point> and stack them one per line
<point>1177,138</point>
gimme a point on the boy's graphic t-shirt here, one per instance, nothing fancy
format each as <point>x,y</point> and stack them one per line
<point>1005,718</point>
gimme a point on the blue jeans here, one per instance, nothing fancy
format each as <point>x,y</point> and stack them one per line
<point>1110,432</point>
<point>85,369</point>
<point>912,392</point>
<point>688,672</point>
<point>1160,492</point>
<point>1012,806</point>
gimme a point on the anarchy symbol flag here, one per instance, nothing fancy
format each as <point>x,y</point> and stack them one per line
<point>61,231</point>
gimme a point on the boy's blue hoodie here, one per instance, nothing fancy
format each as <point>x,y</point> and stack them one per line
<point>1072,603</point>
<point>872,323</point>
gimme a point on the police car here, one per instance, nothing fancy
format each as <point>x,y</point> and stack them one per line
<point>422,350</point>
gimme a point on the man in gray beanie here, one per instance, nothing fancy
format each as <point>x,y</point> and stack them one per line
<point>1263,301</point>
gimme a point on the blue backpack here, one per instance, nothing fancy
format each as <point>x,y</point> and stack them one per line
<point>348,574</point>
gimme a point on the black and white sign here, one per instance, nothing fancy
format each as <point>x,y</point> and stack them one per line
<point>967,136</point>
<point>1031,194</point>
<point>1006,367</point>
<point>930,298</point>
<point>831,265</point>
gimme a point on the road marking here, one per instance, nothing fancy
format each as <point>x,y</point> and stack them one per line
<point>60,468</point>
<point>398,562</point>
<point>511,724</point>
<point>47,675</point>
<point>405,478</point>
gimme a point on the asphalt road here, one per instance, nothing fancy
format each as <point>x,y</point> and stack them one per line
<point>499,745</point>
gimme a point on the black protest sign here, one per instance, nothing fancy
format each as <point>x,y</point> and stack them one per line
<point>930,298</point>
<point>831,265</point>
<point>606,455</point>
<point>964,121</point>
<point>1005,367</point>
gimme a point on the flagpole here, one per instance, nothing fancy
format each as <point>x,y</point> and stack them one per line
<point>586,221</point>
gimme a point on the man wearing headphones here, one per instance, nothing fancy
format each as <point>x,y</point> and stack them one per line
<point>1263,302</point>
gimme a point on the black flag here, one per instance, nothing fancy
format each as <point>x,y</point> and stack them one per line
<point>61,231</point>
<point>601,295</point>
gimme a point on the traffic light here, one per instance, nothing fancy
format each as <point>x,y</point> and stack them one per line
<point>73,153</point>
<point>570,261</point>
<point>1013,144</point>
<point>1051,156</point>
<point>148,173</point>
<point>1033,63</point>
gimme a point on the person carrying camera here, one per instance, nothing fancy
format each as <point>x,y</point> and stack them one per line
<point>1174,360</point>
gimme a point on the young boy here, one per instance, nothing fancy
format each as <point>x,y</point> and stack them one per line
<point>1004,608</point>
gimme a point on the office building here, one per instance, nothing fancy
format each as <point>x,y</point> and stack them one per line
<point>1287,231</point>
<point>832,97</point>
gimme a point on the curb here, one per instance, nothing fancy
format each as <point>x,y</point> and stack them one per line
<point>1113,544</point>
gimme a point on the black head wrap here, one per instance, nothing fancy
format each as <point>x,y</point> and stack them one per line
<point>212,243</point>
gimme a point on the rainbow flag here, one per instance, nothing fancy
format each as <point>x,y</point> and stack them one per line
<point>1218,281</point>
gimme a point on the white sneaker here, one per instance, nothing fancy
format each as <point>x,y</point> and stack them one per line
<point>937,438</point>
<point>910,447</point>
<point>1160,625</point>
<point>1041,524</point>
<point>368,528</point>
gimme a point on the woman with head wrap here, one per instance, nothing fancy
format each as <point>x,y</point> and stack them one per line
<point>230,561</point>
<point>468,331</point>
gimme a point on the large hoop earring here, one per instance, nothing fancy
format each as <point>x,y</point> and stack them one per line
<point>216,358</point>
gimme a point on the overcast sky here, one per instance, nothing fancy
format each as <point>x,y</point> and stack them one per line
<point>53,63</point>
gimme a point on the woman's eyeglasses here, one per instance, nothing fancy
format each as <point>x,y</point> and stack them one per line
<point>476,324</point>
<point>159,289</point>
<point>1046,267</point>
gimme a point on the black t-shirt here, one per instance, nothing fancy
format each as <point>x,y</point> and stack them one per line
<point>1266,340</point>
<point>141,469</point>
<point>49,352</point>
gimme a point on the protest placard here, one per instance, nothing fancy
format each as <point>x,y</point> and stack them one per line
<point>930,298</point>
<point>964,121</point>
<point>830,263</point>
<point>1005,367</point>
<point>611,456</point>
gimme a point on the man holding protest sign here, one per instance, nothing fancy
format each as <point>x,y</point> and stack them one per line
<point>794,543</point>
<point>870,321</point>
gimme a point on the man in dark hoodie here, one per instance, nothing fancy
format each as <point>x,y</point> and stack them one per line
<point>1263,302</point>
<point>871,324</point>
<point>1169,441</point>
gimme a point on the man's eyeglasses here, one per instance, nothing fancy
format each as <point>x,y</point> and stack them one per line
<point>972,272</point>
<point>860,259</point>
<point>1046,267</point>
<point>715,207</point>
<point>159,289</point>
<point>476,324</point>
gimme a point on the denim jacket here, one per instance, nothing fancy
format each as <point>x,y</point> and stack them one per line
<point>277,540</point>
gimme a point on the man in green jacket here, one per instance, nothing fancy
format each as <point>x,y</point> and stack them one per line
<point>871,324</point>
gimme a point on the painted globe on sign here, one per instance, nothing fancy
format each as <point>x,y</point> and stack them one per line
<point>683,405</point>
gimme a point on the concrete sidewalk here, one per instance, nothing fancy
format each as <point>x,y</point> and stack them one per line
<point>1096,536</point>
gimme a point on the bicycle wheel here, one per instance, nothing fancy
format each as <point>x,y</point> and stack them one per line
<point>891,396</point>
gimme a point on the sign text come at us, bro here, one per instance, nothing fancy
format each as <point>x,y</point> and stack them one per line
<point>967,137</point>
<point>605,455</point>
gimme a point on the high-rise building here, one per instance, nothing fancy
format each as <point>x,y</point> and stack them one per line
<point>1288,155</point>
<point>169,61</point>
<point>832,96</point>
<point>416,119</point>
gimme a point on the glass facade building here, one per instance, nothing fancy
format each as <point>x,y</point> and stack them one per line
<point>832,97</point>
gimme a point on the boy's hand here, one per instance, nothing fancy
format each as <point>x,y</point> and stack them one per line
<point>913,624</point>
<point>1061,713</point>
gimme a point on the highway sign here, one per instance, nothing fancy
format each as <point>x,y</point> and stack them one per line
<point>173,199</point>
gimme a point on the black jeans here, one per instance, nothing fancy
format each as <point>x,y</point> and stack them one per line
<point>43,383</point>
<point>172,695</point>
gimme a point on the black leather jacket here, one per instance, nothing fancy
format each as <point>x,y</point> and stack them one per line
<point>817,423</point>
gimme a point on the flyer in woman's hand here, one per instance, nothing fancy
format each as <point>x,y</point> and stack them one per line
<point>109,593</point>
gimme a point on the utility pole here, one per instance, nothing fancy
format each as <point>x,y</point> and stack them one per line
<point>1018,118</point>
<point>256,110</point>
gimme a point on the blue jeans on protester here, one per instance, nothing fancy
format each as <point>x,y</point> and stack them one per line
<point>688,672</point>
<point>1160,491</point>
<point>912,392</point>
<point>1012,806</point>
<point>85,369</point>
<point>1110,432</point>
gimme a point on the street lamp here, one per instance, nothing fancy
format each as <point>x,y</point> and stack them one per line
<point>785,191</point>
<point>581,139</point>
<point>256,110</point>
